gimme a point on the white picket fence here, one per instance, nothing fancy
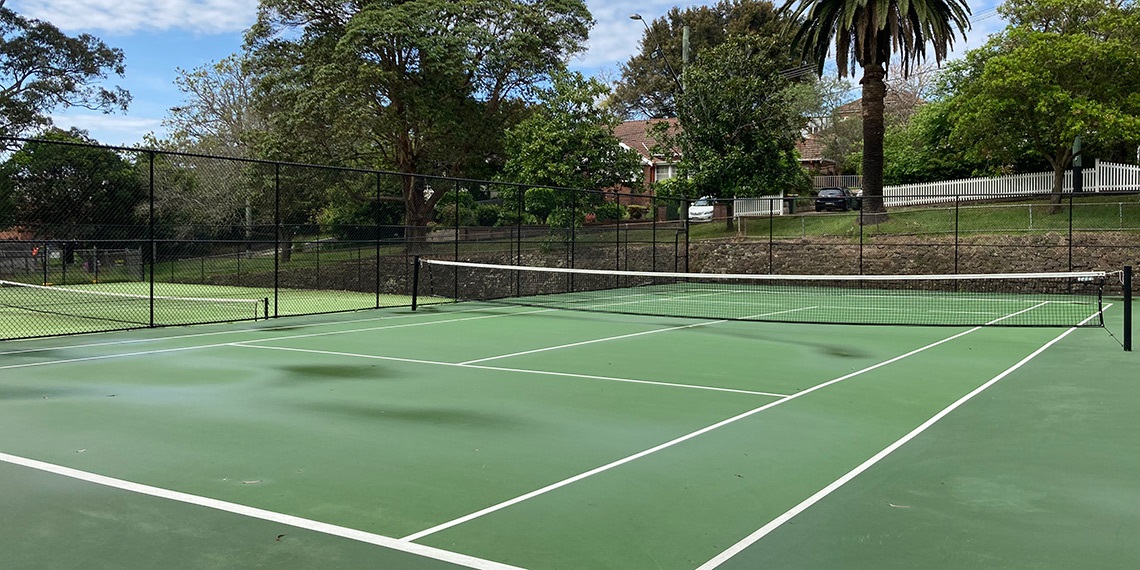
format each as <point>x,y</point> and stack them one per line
<point>1104,176</point>
<point>762,206</point>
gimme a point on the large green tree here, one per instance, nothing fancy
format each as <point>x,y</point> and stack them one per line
<point>568,140</point>
<point>865,34</point>
<point>1061,69</point>
<point>42,69</point>
<point>422,87</point>
<point>646,88</point>
<point>741,120</point>
<point>62,188</point>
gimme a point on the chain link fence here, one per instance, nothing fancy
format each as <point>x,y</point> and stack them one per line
<point>96,238</point>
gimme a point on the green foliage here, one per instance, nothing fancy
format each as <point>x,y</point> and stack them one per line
<point>1060,70</point>
<point>540,202</point>
<point>609,212</point>
<point>445,216</point>
<point>922,150</point>
<point>564,218</point>
<point>419,87</point>
<point>487,214</point>
<point>43,69</point>
<point>866,33</point>
<point>568,141</point>
<point>70,191</point>
<point>739,127</point>
<point>647,88</point>
<point>511,217</point>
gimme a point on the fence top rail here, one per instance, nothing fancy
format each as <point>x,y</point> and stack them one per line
<point>155,151</point>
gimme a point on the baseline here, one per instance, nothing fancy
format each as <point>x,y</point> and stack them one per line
<point>254,512</point>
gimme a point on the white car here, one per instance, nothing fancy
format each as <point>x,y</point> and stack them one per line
<point>702,209</point>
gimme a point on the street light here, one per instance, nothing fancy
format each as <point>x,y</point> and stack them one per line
<point>659,50</point>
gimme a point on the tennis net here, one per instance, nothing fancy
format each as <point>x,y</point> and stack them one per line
<point>1012,299</point>
<point>65,304</point>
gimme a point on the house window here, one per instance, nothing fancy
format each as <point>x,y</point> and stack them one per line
<point>664,172</point>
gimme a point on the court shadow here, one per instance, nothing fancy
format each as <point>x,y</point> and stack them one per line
<point>418,416</point>
<point>306,373</point>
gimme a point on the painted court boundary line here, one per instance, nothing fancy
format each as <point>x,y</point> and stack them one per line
<point>631,335</point>
<point>253,512</point>
<point>272,339</point>
<point>702,431</point>
<point>673,442</point>
<point>504,369</point>
<point>819,495</point>
<point>220,333</point>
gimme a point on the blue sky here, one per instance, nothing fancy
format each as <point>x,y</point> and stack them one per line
<point>158,37</point>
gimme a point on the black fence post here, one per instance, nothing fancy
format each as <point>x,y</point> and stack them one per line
<point>150,234</point>
<point>276,237</point>
<point>685,224</point>
<point>860,241</point>
<point>957,213</point>
<point>518,236</point>
<point>1070,231</point>
<point>772,233</point>
<point>379,230</point>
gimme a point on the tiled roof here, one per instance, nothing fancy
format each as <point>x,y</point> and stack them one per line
<point>635,135</point>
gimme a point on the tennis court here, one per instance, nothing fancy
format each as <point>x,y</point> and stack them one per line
<point>488,435</point>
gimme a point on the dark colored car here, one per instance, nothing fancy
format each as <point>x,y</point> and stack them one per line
<point>840,199</point>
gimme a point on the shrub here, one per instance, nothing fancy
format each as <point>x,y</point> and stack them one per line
<point>637,212</point>
<point>609,211</point>
<point>487,214</point>
<point>445,216</point>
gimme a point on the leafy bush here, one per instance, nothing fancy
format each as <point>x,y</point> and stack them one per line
<point>541,202</point>
<point>564,218</point>
<point>510,217</point>
<point>609,211</point>
<point>487,214</point>
<point>637,212</point>
<point>445,216</point>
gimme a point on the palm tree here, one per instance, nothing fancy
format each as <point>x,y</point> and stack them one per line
<point>866,34</point>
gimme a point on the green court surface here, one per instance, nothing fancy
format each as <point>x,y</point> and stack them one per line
<point>478,436</point>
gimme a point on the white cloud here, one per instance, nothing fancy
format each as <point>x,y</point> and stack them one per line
<point>109,129</point>
<point>127,16</point>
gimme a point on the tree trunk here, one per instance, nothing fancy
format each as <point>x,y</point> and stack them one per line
<point>874,92</point>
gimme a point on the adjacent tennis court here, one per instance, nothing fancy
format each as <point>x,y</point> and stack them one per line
<point>488,435</point>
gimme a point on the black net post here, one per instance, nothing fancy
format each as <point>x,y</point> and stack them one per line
<point>415,281</point>
<point>1128,308</point>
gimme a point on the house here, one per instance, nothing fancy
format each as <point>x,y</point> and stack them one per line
<point>657,166</point>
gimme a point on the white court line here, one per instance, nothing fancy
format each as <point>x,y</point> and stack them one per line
<point>216,333</point>
<point>671,443</point>
<point>272,339</point>
<point>253,512</point>
<point>819,495</point>
<point>501,369</point>
<point>631,335</point>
